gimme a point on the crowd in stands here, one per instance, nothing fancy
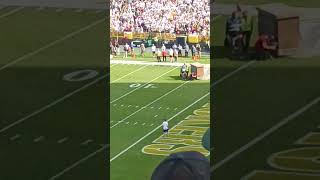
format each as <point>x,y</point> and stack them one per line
<point>167,16</point>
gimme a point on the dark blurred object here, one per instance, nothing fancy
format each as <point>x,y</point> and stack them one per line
<point>282,22</point>
<point>189,165</point>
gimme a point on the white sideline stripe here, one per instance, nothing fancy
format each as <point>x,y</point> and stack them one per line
<point>125,150</point>
<point>70,35</point>
<point>214,84</point>
<point>104,147</point>
<point>15,137</point>
<point>266,133</point>
<point>78,162</point>
<point>141,86</point>
<point>11,12</point>
<point>52,104</point>
<point>143,107</point>
<point>38,139</point>
<point>63,140</point>
<point>129,74</point>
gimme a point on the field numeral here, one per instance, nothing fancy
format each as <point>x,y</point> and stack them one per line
<point>136,85</point>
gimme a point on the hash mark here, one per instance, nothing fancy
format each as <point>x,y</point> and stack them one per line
<point>135,123</point>
<point>160,107</point>
<point>168,108</point>
<point>175,108</point>
<point>151,107</point>
<point>129,106</point>
<point>137,106</point>
<point>151,125</point>
<point>156,116</point>
<point>87,142</point>
<point>127,122</point>
<point>122,105</point>
<point>63,140</point>
<point>38,139</point>
<point>143,124</point>
<point>15,137</point>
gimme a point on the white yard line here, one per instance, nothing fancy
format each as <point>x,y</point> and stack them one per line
<point>78,163</point>
<point>11,12</point>
<point>214,84</point>
<point>129,74</point>
<point>62,140</point>
<point>104,147</point>
<point>51,104</point>
<point>143,85</point>
<point>266,133</point>
<point>68,36</point>
<point>142,138</point>
<point>15,137</point>
<point>143,107</point>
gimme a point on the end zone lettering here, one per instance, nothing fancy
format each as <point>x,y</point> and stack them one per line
<point>185,136</point>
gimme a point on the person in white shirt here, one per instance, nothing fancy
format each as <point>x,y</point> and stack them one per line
<point>171,54</point>
<point>153,48</point>
<point>165,127</point>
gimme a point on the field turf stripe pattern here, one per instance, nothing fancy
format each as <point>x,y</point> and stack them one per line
<point>62,133</point>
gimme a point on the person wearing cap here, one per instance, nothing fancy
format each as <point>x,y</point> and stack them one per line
<point>189,165</point>
<point>165,127</point>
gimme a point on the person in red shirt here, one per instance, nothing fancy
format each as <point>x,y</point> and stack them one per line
<point>265,47</point>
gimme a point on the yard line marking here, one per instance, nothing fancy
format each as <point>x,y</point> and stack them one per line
<point>159,98</point>
<point>78,163</point>
<point>145,136</point>
<point>15,137</point>
<point>156,116</point>
<point>267,133</point>
<point>142,86</point>
<point>11,12</point>
<point>87,142</point>
<point>63,140</point>
<point>52,104</point>
<point>213,84</point>
<point>129,73</point>
<point>68,36</point>
<point>38,139</point>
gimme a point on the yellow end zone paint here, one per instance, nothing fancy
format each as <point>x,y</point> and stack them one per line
<point>185,136</point>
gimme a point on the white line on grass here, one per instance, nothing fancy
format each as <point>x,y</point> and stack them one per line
<point>143,107</point>
<point>104,147</point>
<point>142,86</point>
<point>266,133</point>
<point>214,84</point>
<point>129,74</point>
<point>15,137</point>
<point>52,104</point>
<point>145,136</point>
<point>68,36</point>
<point>63,140</point>
<point>11,12</point>
<point>38,139</point>
<point>78,163</point>
<point>87,142</point>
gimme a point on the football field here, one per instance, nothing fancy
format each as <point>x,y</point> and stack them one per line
<point>141,97</point>
<point>53,75</point>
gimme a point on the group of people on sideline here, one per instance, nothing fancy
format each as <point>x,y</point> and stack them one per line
<point>238,34</point>
<point>162,54</point>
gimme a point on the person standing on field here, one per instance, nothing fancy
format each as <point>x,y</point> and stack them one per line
<point>153,49</point>
<point>165,127</point>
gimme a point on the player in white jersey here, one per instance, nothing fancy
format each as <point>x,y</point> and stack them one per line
<point>165,127</point>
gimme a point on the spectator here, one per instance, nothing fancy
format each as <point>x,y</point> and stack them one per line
<point>175,55</point>
<point>164,54</point>
<point>153,49</point>
<point>171,54</point>
<point>232,29</point>
<point>186,50</point>
<point>265,47</point>
<point>159,55</point>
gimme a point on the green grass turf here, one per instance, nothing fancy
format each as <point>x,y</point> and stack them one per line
<point>299,3</point>
<point>36,81</point>
<point>148,57</point>
<point>254,100</point>
<point>133,163</point>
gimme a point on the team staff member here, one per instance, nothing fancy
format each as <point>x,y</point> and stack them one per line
<point>165,127</point>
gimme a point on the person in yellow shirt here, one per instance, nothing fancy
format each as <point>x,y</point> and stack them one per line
<point>246,29</point>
